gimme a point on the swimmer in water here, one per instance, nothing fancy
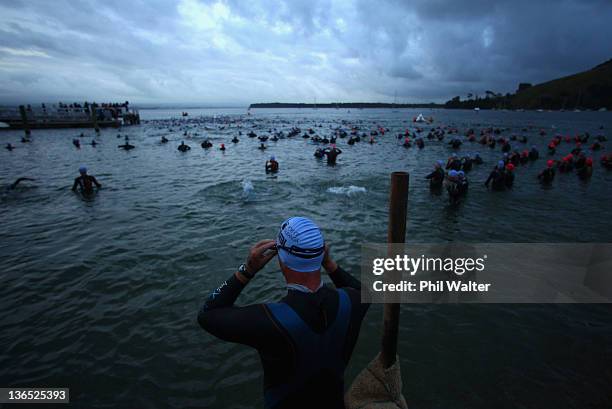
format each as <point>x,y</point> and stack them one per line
<point>262,147</point>
<point>9,147</point>
<point>319,153</point>
<point>497,177</point>
<point>436,178</point>
<point>272,165</point>
<point>85,182</point>
<point>206,144</point>
<point>547,175</point>
<point>586,171</point>
<point>18,181</point>
<point>453,163</point>
<point>235,140</point>
<point>183,148</point>
<point>164,139</point>
<point>126,146</point>
<point>222,148</point>
<point>332,154</point>
<point>452,186</point>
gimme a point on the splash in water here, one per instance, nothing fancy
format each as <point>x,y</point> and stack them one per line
<point>247,189</point>
<point>349,191</point>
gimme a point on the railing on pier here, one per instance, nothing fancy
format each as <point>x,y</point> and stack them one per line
<point>62,115</point>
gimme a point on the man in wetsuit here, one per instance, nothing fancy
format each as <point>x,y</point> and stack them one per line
<point>85,182</point>
<point>497,176</point>
<point>332,153</point>
<point>436,178</point>
<point>306,339</point>
<point>272,165</point>
<point>548,174</point>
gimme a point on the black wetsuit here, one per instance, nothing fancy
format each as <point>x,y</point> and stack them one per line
<point>497,176</point>
<point>332,154</point>
<point>85,184</point>
<point>508,179</point>
<point>272,166</point>
<point>436,178</point>
<point>547,175</point>
<point>258,326</point>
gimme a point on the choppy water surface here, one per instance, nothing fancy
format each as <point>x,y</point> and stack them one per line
<point>101,294</point>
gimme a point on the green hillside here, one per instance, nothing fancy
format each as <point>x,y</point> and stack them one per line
<point>590,89</point>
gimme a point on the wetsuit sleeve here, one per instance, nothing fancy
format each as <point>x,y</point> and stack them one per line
<point>489,179</point>
<point>75,184</point>
<point>93,179</point>
<point>249,325</point>
<point>342,279</point>
<point>430,175</point>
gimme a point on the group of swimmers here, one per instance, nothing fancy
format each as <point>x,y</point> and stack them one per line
<point>451,175</point>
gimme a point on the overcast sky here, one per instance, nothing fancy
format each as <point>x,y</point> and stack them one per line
<point>234,52</point>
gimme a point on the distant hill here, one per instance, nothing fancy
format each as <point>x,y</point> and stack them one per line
<point>590,89</point>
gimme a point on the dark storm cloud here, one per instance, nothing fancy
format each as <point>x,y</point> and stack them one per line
<point>232,51</point>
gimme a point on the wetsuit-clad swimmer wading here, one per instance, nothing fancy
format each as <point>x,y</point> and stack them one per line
<point>332,153</point>
<point>85,182</point>
<point>306,339</point>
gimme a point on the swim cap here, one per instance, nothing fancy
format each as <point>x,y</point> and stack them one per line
<point>589,161</point>
<point>501,164</point>
<point>82,169</point>
<point>300,245</point>
<point>452,173</point>
<point>272,157</point>
<point>510,167</point>
<point>454,155</point>
<point>333,145</point>
<point>461,173</point>
<point>440,162</point>
<point>550,163</point>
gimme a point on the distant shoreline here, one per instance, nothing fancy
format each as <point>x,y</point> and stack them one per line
<point>343,105</point>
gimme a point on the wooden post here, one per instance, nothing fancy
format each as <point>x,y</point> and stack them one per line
<point>24,118</point>
<point>396,233</point>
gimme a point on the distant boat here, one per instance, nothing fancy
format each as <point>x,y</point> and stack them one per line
<point>540,110</point>
<point>476,109</point>
<point>184,113</point>
<point>419,118</point>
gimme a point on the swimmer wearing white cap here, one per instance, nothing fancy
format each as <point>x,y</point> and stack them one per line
<point>306,339</point>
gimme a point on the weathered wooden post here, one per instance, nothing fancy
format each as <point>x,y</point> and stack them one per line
<point>396,233</point>
<point>24,119</point>
<point>379,385</point>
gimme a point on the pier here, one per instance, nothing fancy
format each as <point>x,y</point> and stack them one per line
<point>73,115</point>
